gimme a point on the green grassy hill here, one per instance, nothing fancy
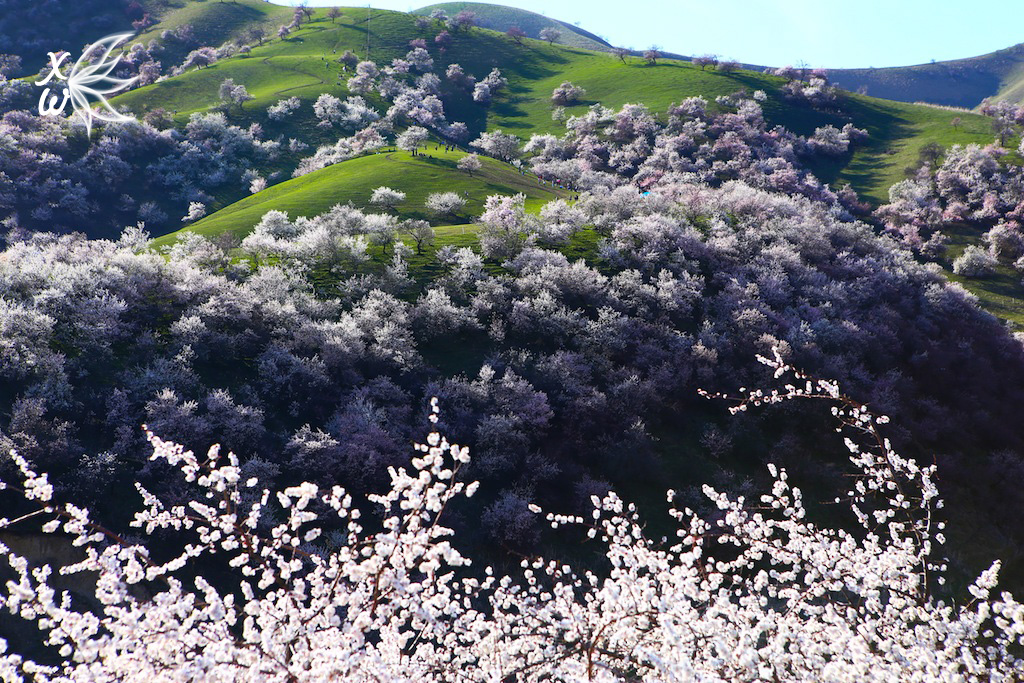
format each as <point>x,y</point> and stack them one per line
<point>354,181</point>
<point>501,17</point>
<point>1013,83</point>
<point>897,132</point>
<point>958,83</point>
<point>213,22</point>
<point>301,66</point>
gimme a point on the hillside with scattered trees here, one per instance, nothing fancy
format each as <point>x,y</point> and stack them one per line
<point>322,233</point>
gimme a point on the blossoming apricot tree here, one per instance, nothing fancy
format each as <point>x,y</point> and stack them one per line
<point>784,598</point>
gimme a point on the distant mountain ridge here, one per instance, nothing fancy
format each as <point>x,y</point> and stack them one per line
<point>502,17</point>
<point>957,83</point>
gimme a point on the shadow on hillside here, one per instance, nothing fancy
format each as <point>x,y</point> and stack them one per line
<point>553,57</point>
<point>660,65</point>
<point>532,70</point>
<point>962,83</point>
<point>508,109</point>
<point>747,80</point>
<point>482,55</point>
<point>459,106</point>
<point>999,284</point>
<point>219,21</point>
<point>884,128</point>
<point>425,156</point>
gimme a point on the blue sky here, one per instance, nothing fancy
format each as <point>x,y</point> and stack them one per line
<point>830,33</point>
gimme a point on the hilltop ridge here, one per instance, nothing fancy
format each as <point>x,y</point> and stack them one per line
<point>502,17</point>
<point>958,83</point>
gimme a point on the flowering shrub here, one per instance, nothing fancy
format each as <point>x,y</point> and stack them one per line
<point>567,94</point>
<point>550,34</point>
<point>444,203</point>
<point>506,226</point>
<point>605,148</point>
<point>412,139</point>
<point>365,140</point>
<point>813,89</point>
<point>204,56</point>
<point>351,114</point>
<point>963,184</point>
<point>482,93</point>
<point>387,197</point>
<point>832,141</point>
<point>457,76</point>
<point>975,262</point>
<point>283,108</point>
<point>504,146</point>
<point>1005,240</point>
<point>257,184</point>
<point>470,163</point>
<point>79,185</point>
<point>487,88</point>
<point>787,599</point>
<point>230,93</point>
<point>196,210</point>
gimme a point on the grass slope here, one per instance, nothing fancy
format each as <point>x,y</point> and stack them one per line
<point>959,83</point>
<point>1001,294</point>
<point>1013,84</point>
<point>354,181</point>
<point>300,65</point>
<point>897,132</point>
<point>501,17</point>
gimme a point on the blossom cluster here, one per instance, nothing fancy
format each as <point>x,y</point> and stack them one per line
<point>606,148</point>
<point>52,182</point>
<point>759,592</point>
<point>967,185</point>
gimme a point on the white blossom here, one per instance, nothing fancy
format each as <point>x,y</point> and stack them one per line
<point>789,600</point>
